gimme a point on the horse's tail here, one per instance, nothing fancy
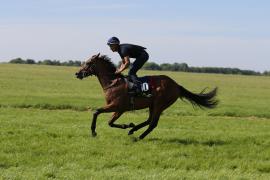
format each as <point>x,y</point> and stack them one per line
<point>202,99</point>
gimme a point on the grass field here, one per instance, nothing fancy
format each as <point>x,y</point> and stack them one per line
<point>45,117</point>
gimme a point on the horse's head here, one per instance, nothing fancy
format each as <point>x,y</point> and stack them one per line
<point>97,65</point>
<point>88,68</point>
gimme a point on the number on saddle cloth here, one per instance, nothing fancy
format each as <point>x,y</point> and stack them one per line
<point>145,86</point>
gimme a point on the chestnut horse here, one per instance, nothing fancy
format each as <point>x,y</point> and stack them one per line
<point>164,93</point>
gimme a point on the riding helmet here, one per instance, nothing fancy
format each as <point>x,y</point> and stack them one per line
<point>113,40</point>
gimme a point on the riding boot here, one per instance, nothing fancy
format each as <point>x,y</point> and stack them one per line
<point>134,79</point>
<point>136,88</point>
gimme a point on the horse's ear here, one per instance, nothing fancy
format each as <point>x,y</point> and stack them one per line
<point>98,55</point>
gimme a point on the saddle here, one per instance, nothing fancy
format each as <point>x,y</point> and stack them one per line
<point>145,84</point>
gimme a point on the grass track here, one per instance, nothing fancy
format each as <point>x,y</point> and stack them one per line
<point>44,130</point>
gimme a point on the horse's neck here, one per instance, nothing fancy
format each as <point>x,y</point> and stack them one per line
<point>105,81</point>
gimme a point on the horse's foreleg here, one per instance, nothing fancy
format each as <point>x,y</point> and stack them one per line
<point>108,108</point>
<point>94,120</point>
<point>115,116</point>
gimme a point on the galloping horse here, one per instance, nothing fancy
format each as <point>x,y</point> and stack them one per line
<point>165,92</point>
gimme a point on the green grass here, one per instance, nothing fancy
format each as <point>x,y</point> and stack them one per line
<point>45,117</point>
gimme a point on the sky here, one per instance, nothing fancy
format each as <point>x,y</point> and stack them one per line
<point>231,33</point>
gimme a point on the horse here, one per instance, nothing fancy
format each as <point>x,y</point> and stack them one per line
<point>165,91</point>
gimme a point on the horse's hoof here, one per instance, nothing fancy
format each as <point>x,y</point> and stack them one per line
<point>135,139</point>
<point>131,125</point>
<point>94,134</point>
<point>130,133</point>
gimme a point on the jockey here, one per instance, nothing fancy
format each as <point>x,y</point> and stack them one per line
<point>127,51</point>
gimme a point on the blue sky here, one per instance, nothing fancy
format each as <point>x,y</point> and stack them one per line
<point>200,33</point>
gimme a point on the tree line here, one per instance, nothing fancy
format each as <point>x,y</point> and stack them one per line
<point>183,67</point>
<point>45,62</point>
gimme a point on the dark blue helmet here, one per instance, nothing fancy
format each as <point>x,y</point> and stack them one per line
<point>113,40</point>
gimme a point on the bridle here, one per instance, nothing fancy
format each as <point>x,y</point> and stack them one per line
<point>89,68</point>
<point>92,69</point>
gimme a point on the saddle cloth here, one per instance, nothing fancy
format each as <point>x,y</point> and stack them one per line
<point>146,85</point>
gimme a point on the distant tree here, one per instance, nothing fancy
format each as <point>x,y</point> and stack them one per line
<point>17,61</point>
<point>30,61</point>
<point>71,63</point>
<point>47,62</point>
<point>249,72</point>
<point>151,66</point>
<point>183,67</point>
<point>67,63</point>
<point>77,63</point>
<point>166,67</point>
<point>266,73</point>
<point>56,63</point>
<point>175,67</point>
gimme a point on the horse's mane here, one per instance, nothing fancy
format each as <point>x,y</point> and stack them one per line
<point>108,62</point>
<point>110,65</point>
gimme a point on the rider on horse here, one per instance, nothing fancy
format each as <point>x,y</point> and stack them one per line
<point>127,51</point>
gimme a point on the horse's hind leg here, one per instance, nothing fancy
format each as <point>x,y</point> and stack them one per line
<point>139,126</point>
<point>115,116</point>
<point>143,124</point>
<point>152,125</point>
<point>159,106</point>
<point>155,118</point>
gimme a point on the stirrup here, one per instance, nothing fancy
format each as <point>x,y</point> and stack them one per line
<point>134,79</point>
<point>135,91</point>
